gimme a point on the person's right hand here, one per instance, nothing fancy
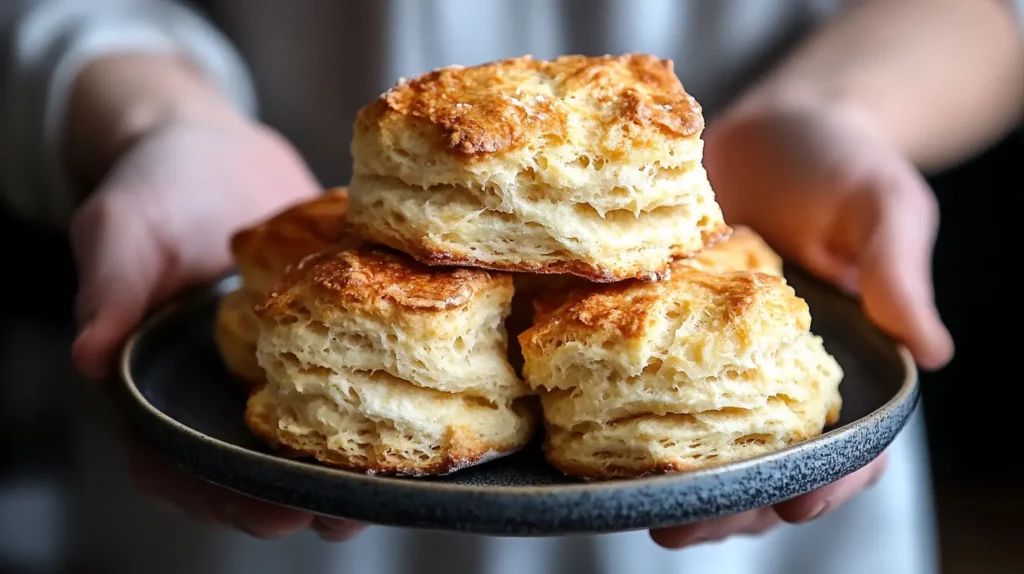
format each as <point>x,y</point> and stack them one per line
<point>160,220</point>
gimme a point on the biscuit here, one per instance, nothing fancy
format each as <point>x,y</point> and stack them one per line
<point>699,343</point>
<point>262,253</point>
<point>583,165</point>
<point>235,333</point>
<point>379,363</point>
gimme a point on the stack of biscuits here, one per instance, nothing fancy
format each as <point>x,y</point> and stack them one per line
<point>526,246</point>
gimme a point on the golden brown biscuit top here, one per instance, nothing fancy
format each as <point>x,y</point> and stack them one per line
<point>501,106</point>
<point>740,304</point>
<point>376,277</point>
<point>294,233</point>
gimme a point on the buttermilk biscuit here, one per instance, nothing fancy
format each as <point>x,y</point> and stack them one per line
<point>588,166</point>
<point>378,363</point>
<point>701,353</point>
<point>262,253</point>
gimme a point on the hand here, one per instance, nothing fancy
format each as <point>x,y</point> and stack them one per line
<point>827,190</point>
<point>210,504</point>
<point>158,222</point>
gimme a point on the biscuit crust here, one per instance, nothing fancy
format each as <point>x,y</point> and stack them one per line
<point>377,279</point>
<point>635,101</point>
<point>265,250</point>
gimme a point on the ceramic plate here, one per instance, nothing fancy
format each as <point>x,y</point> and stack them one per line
<point>182,400</point>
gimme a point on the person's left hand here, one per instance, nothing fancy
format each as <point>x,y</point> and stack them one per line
<point>826,189</point>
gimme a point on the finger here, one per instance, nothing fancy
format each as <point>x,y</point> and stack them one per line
<point>827,498</point>
<point>750,522</point>
<point>335,529</point>
<point>896,282</point>
<point>209,503</point>
<point>897,296</point>
<point>825,263</point>
<point>120,267</point>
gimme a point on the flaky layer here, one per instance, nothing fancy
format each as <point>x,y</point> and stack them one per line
<point>376,423</point>
<point>371,310</point>
<point>652,444</point>
<point>693,326</point>
<point>452,225</point>
<point>575,123</point>
<point>462,350</point>
<point>235,334</point>
<point>795,372</point>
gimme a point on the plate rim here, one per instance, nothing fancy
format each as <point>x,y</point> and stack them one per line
<point>907,391</point>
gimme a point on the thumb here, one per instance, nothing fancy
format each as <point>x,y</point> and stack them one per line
<point>896,285</point>
<point>119,267</point>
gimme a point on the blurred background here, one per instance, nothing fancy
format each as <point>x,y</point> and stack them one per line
<point>52,501</point>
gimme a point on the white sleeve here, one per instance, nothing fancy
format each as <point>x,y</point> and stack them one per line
<point>47,43</point>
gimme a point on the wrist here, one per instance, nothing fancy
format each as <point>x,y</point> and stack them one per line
<point>117,100</point>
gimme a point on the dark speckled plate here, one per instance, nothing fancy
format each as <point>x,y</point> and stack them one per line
<point>183,402</point>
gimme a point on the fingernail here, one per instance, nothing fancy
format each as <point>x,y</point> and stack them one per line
<point>818,512</point>
<point>336,530</point>
<point>339,535</point>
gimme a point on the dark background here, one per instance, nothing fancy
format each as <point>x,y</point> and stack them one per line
<point>972,406</point>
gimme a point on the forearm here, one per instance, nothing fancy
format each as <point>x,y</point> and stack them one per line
<point>51,46</point>
<point>118,98</point>
<point>941,78</point>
